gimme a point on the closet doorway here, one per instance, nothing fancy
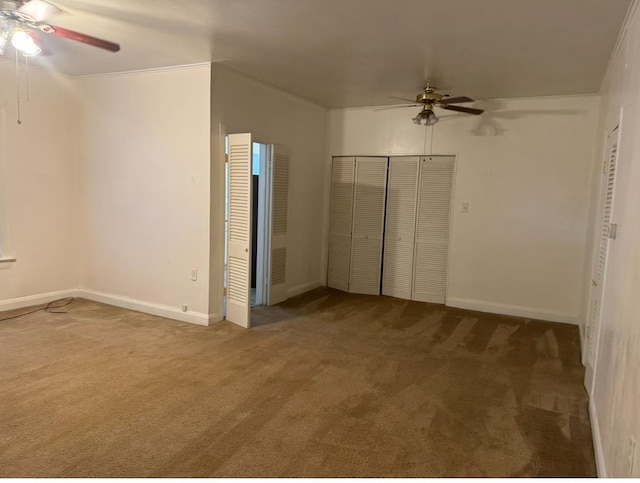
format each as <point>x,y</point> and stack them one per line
<point>389,225</point>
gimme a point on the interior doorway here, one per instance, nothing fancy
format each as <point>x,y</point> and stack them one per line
<point>256,226</point>
<point>259,218</point>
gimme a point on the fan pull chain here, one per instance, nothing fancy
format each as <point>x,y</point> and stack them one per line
<point>431,140</point>
<point>426,131</point>
<point>26,67</point>
<point>18,86</point>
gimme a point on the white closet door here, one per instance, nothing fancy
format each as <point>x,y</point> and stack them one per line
<point>239,242</point>
<point>368,224</point>
<point>432,229</point>
<point>400,226</point>
<point>279,224</point>
<point>342,177</point>
<point>600,266</point>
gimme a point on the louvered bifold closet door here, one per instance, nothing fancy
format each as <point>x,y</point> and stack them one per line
<point>342,177</point>
<point>279,224</point>
<point>238,294</point>
<point>400,226</point>
<point>368,224</point>
<point>432,229</point>
<point>598,279</point>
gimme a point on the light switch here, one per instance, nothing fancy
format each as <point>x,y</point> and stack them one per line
<point>464,207</point>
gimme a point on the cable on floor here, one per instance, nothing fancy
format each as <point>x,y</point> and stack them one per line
<point>52,307</point>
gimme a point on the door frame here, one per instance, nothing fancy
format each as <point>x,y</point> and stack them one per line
<point>264,222</point>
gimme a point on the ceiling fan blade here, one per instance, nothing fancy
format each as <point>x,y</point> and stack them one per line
<point>395,107</point>
<point>78,37</point>
<point>455,100</point>
<point>466,110</point>
<point>37,10</point>
<point>404,99</point>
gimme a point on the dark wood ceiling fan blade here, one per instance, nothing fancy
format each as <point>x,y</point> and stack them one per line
<point>455,100</point>
<point>78,37</point>
<point>404,99</point>
<point>395,107</point>
<point>466,110</point>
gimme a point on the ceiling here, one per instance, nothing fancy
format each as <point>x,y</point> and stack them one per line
<point>348,53</point>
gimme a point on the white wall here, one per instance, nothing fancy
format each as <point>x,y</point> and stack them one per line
<point>525,169</point>
<point>274,117</point>
<point>135,191</point>
<point>145,155</point>
<point>616,392</point>
<point>38,186</point>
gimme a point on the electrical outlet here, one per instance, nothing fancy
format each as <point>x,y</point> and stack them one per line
<point>464,207</point>
<point>184,307</point>
<point>194,274</point>
<point>632,455</point>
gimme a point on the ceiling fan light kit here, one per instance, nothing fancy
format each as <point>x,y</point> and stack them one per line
<point>23,42</point>
<point>426,117</point>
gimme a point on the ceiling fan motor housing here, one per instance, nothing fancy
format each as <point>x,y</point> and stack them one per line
<point>428,96</point>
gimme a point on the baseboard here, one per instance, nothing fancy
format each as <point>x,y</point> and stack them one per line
<point>160,310</point>
<point>31,300</point>
<point>513,310</point>
<point>597,442</point>
<point>214,318</point>
<point>305,287</point>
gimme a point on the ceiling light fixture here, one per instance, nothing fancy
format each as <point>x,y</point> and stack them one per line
<point>22,41</point>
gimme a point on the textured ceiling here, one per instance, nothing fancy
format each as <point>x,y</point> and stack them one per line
<point>346,53</point>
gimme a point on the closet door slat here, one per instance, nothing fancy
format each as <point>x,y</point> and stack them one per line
<point>368,225</point>
<point>341,219</point>
<point>400,226</point>
<point>432,229</point>
<point>279,224</point>
<point>599,276</point>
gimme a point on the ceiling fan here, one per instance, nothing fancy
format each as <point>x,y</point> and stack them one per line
<point>429,99</point>
<point>21,20</point>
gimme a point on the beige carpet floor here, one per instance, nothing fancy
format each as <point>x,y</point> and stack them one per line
<point>328,384</point>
